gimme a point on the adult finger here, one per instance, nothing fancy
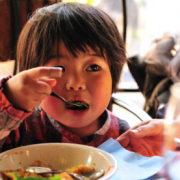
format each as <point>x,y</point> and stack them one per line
<point>141,150</point>
<point>141,124</point>
<point>152,128</point>
<point>123,140</point>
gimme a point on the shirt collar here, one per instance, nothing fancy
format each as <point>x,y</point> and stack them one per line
<point>101,131</point>
<point>106,125</point>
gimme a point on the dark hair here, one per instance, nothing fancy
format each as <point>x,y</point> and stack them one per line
<point>79,26</point>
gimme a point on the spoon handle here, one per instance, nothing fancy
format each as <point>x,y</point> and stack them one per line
<point>68,104</point>
<point>56,95</point>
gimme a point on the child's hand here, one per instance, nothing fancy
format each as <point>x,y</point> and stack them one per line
<point>26,90</point>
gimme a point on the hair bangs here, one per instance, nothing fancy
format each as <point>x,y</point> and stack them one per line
<point>76,32</point>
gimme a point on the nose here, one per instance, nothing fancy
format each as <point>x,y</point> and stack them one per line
<point>75,82</point>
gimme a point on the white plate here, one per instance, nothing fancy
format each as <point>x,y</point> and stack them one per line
<point>58,156</point>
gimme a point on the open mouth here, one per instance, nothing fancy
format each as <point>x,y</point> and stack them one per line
<point>81,105</point>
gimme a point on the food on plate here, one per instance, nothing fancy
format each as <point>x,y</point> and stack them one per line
<point>21,174</point>
<point>81,169</point>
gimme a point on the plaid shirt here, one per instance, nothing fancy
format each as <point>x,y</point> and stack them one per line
<point>19,128</point>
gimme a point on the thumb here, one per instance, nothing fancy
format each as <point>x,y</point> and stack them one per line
<point>140,132</point>
<point>51,81</point>
<point>136,133</point>
<point>123,139</point>
<point>152,129</point>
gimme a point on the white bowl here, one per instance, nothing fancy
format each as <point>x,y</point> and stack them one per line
<point>58,156</point>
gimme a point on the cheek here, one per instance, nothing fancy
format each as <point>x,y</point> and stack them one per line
<point>46,104</point>
<point>50,106</point>
<point>102,90</point>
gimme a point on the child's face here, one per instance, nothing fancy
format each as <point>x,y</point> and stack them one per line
<point>86,78</point>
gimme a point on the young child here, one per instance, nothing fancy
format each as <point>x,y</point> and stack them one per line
<point>76,51</point>
<point>82,41</point>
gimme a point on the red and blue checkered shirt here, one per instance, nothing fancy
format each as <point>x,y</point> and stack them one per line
<point>19,128</point>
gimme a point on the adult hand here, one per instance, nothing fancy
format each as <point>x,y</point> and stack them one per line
<point>27,89</point>
<point>145,139</point>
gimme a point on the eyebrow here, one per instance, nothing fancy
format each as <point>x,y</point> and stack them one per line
<point>55,56</point>
<point>97,54</point>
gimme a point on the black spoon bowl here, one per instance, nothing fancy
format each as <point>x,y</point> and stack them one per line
<point>74,105</point>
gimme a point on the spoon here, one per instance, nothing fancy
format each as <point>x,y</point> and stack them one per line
<point>68,104</point>
<point>44,170</point>
<point>96,174</point>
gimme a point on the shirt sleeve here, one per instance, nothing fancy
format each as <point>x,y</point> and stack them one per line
<point>10,117</point>
<point>123,126</point>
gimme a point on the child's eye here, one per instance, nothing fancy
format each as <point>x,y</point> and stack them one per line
<point>93,67</point>
<point>63,69</point>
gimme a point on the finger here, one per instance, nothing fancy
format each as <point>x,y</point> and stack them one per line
<point>141,147</point>
<point>135,145</point>
<point>42,88</point>
<point>158,153</point>
<point>31,105</point>
<point>141,124</point>
<point>38,72</point>
<point>128,148</point>
<point>50,81</point>
<point>32,100</point>
<point>123,140</point>
<point>141,132</point>
<point>39,97</point>
<point>150,129</point>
